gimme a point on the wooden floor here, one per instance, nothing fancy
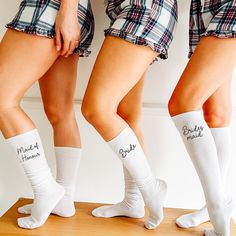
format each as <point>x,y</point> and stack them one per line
<point>83,224</point>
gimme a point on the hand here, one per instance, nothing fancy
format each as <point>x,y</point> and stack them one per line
<point>67,31</point>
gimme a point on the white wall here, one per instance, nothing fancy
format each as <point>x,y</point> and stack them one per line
<point>100,178</point>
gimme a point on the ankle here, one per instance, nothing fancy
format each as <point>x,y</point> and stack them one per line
<point>133,203</point>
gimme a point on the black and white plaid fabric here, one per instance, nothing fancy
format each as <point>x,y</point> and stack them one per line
<point>38,17</point>
<point>211,18</point>
<point>143,22</point>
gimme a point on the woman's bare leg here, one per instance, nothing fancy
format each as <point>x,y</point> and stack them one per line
<point>23,60</point>
<point>218,115</point>
<point>118,68</point>
<point>130,109</point>
<point>209,68</point>
<point>132,205</point>
<point>60,83</point>
<point>111,80</point>
<point>57,88</point>
<point>197,85</point>
<point>217,112</point>
<point>218,108</point>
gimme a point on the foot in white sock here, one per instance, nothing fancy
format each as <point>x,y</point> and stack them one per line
<point>64,208</point>
<point>47,193</point>
<point>222,224</point>
<point>128,149</point>
<point>210,232</point>
<point>222,140</point>
<point>42,207</point>
<point>227,210</point>
<point>67,160</point>
<point>201,147</point>
<point>193,219</point>
<point>119,209</point>
<point>155,205</point>
<point>132,205</point>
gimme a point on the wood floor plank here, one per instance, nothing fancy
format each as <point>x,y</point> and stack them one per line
<point>84,224</point>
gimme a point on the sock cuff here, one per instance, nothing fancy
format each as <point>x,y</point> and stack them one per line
<point>70,152</point>
<point>67,161</point>
<point>22,136</point>
<point>221,129</point>
<point>188,115</point>
<point>123,134</point>
<point>191,119</point>
<point>125,142</point>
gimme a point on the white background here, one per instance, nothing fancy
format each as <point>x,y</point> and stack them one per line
<point>100,177</point>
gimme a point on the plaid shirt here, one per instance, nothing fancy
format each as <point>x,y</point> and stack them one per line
<point>211,18</point>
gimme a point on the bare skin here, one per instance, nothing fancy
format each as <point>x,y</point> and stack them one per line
<point>59,76</point>
<point>56,76</point>
<point>105,92</point>
<point>130,109</point>
<point>59,82</point>
<point>206,79</point>
<point>57,89</point>
<point>15,79</point>
<point>218,108</point>
<point>67,28</point>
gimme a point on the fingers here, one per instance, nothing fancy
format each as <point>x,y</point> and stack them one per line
<point>73,46</point>
<point>64,44</point>
<point>70,50</point>
<point>68,47</point>
<point>58,40</point>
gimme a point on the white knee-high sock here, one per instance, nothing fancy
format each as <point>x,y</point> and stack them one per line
<point>128,149</point>
<point>222,140</point>
<point>131,206</point>
<point>47,192</point>
<point>201,147</point>
<point>67,160</point>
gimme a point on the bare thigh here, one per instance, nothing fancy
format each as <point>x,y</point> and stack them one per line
<point>24,59</point>
<point>118,68</point>
<point>209,68</point>
<point>57,88</point>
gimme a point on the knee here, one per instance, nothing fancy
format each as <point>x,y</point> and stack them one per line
<point>5,109</point>
<point>95,113</point>
<point>87,112</point>
<point>8,102</point>
<point>180,104</point>
<point>176,106</point>
<point>10,96</point>
<point>132,118</point>
<point>217,117</point>
<point>58,115</point>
